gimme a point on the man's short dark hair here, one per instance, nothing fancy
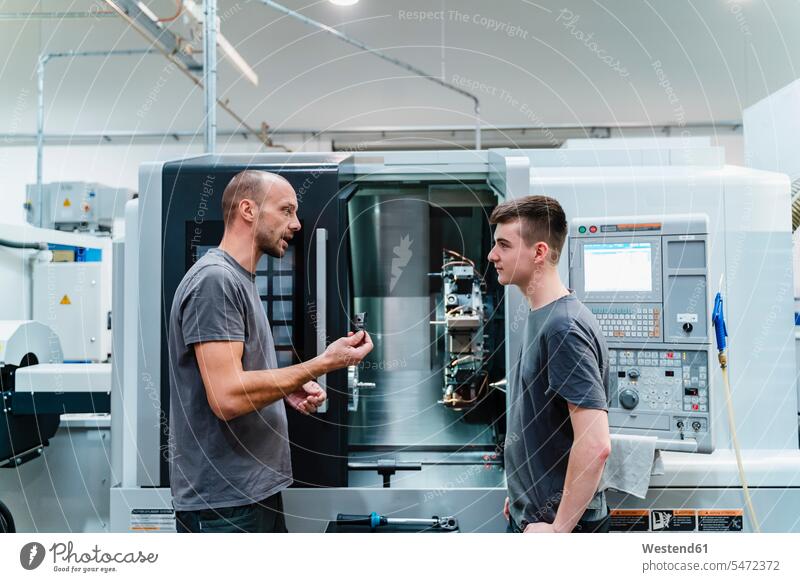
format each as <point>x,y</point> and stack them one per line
<point>541,219</point>
<point>246,184</point>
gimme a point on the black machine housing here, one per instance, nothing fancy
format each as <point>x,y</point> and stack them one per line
<point>191,222</point>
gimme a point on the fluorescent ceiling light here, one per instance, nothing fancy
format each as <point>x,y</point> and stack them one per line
<point>228,49</point>
<point>150,14</point>
<point>236,59</point>
<point>343,2</point>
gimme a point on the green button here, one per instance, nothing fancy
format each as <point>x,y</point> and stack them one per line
<point>582,229</point>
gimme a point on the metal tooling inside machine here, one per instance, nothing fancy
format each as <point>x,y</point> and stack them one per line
<point>431,413</point>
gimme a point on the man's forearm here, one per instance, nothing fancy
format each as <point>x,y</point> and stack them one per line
<point>584,470</point>
<point>256,389</point>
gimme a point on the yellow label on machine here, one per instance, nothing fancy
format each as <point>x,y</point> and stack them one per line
<point>67,203</point>
<point>63,256</point>
<point>65,300</point>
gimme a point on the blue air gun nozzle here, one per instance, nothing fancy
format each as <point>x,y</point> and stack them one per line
<point>718,319</point>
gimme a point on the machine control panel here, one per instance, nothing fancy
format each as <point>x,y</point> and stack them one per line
<point>645,281</point>
<point>642,379</point>
<point>661,389</point>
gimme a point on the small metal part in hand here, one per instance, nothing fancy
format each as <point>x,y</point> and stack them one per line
<point>360,321</point>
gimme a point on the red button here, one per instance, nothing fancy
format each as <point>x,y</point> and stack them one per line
<point>670,354</point>
<point>695,407</point>
<point>592,229</point>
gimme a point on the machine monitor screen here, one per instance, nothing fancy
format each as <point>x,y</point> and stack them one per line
<point>618,267</point>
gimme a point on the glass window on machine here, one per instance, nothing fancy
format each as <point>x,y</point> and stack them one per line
<point>275,281</point>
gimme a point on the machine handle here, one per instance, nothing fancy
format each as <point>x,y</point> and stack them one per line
<point>385,468</point>
<point>688,445</point>
<point>385,465</point>
<point>321,305</point>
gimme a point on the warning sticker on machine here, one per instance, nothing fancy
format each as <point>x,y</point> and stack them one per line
<point>720,519</point>
<point>673,519</point>
<point>629,520</point>
<point>153,520</point>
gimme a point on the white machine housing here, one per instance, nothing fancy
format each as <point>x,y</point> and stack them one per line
<point>772,143</point>
<point>75,299</point>
<point>749,259</point>
<point>749,253</point>
<point>84,206</point>
<point>76,458</point>
<point>19,338</point>
<point>62,378</point>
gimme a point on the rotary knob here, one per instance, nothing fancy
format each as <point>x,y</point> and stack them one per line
<point>633,373</point>
<point>629,398</point>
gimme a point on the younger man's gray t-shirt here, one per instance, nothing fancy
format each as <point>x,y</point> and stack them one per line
<point>214,463</point>
<point>563,359</point>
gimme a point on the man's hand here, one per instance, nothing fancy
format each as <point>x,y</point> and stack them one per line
<point>307,398</point>
<point>348,351</point>
<point>506,512</point>
<point>539,527</point>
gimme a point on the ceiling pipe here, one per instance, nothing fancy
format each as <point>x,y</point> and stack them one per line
<point>56,15</point>
<point>40,68</point>
<point>153,33</point>
<point>380,54</point>
<point>210,73</point>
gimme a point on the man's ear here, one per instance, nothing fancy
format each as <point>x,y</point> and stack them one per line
<point>541,250</point>
<point>248,209</point>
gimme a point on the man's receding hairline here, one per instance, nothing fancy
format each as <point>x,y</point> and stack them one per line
<point>261,175</point>
<point>251,184</point>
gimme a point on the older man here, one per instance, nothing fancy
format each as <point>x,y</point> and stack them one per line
<point>229,447</point>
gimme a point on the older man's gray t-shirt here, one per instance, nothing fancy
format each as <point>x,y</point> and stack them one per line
<point>214,463</point>
<point>563,359</point>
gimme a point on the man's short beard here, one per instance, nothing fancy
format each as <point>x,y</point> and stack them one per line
<point>267,247</point>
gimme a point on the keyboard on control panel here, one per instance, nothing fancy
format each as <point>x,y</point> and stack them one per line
<point>629,322</point>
